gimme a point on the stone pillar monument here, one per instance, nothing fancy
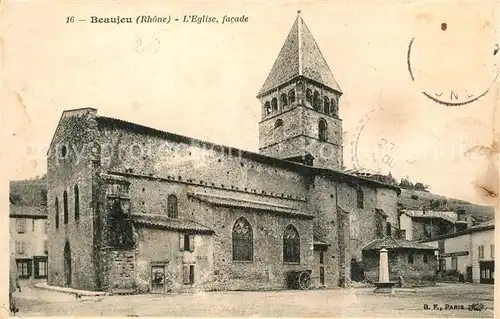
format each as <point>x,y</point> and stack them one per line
<point>384,285</point>
<point>383,268</point>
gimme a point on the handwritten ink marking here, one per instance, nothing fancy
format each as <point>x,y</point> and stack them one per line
<point>408,60</point>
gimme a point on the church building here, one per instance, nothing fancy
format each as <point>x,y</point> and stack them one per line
<point>135,209</point>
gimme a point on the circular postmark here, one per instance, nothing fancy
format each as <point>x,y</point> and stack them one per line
<point>452,65</point>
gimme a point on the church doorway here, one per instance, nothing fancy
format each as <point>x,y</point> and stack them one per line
<point>67,265</point>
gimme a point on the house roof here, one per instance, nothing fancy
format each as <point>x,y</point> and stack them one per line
<point>488,225</point>
<point>446,215</point>
<point>299,56</point>
<point>228,201</point>
<point>30,192</point>
<point>163,221</point>
<point>28,211</point>
<point>389,242</point>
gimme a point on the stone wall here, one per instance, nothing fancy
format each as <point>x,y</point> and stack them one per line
<point>417,273</point>
<point>69,163</point>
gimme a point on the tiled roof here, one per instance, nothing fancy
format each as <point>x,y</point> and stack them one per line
<point>28,211</point>
<point>163,221</point>
<point>448,216</point>
<point>32,192</point>
<point>300,55</point>
<point>487,224</point>
<point>245,203</point>
<point>390,242</point>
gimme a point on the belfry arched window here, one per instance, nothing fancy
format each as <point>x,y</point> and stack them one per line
<point>284,100</point>
<point>242,240</point>
<point>291,245</point>
<point>172,209</point>
<point>322,130</point>
<point>327,106</point>
<point>278,123</point>
<point>267,107</point>
<point>274,104</point>
<point>309,95</point>
<point>291,96</point>
<point>316,101</point>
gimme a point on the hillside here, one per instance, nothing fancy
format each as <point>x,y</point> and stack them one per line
<point>415,199</point>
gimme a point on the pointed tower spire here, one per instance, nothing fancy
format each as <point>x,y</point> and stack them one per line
<point>299,56</point>
<point>300,98</point>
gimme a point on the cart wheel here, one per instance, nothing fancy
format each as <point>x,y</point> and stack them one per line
<point>304,280</point>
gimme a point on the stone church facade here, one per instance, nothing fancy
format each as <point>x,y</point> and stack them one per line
<point>136,209</point>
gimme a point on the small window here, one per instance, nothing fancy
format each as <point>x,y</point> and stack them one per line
<point>426,258</point>
<point>20,247</point>
<point>45,247</point>
<point>360,198</point>
<point>291,96</point>
<point>172,207</point>
<point>278,123</point>
<point>284,100</point>
<point>492,249</point>
<point>186,242</point>
<point>274,105</point>
<point>334,107</point>
<point>388,229</point>
<point>322,130</point>
<point>64,151</point>
<point>65,207</point>
<point>57,213</point>
<point>309,95</point>
<point>21,225</point>
<point>454,263</point>
<point>481,252</point>
<point>321,257</point>
<point>77,202</point>
<point>410,258</point>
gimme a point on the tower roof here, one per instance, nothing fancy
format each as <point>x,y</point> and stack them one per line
<point>300,55</point>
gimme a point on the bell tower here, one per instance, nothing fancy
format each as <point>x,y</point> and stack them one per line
<point>300,105</point>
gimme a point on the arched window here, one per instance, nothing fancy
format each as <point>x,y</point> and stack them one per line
<point>327,106</point>
<point>242,240</point>
<point>172,210</point>
<point>291,96</point>
<point>291,245</point>
<point>274,105</point>
<point>65,206</point>
<point>309,95</point>
<point>322,130</point>
<point>279,123</point>
<point>77,202</point>
<point>57,213</point>
<point>316,101</point>
<point>284,100</point>
<point>360,198</point>
<point>267,107</point>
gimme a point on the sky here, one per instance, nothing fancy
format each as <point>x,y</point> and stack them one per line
<point>200,80</point>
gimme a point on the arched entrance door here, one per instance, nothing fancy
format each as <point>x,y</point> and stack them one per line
<point>67,265</point>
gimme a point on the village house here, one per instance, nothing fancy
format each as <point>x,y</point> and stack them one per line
<point>137,209</point>
<point>469,252</point>
<point>422,224</point>
<point>27,226</point>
